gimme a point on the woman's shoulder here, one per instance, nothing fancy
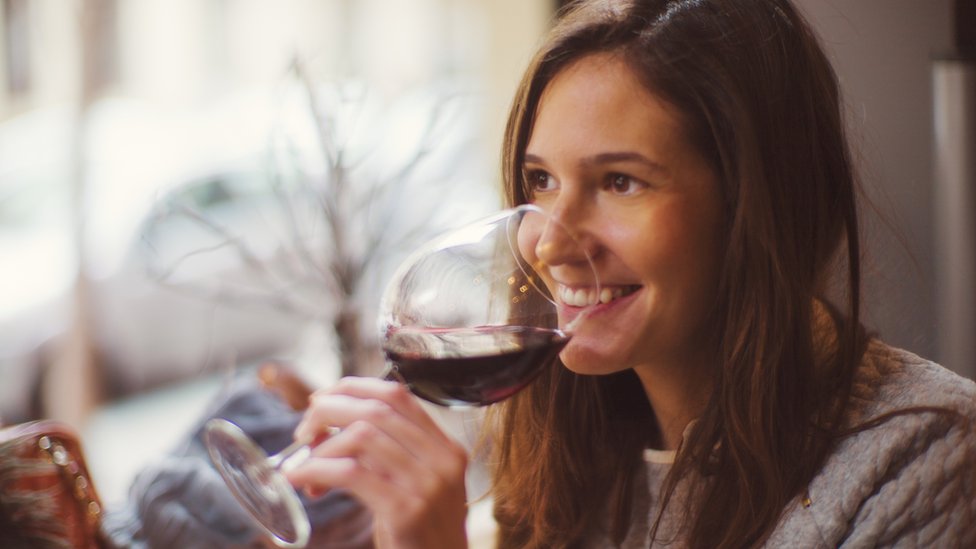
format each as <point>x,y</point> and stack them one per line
<point>907,473</point>
<point>890,379</point>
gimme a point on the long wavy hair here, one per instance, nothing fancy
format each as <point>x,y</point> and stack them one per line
<point>760,101</point>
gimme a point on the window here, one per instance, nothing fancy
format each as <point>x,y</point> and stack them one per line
<point>16,16</point>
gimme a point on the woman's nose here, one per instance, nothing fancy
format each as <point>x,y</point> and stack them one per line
<point>557,246</point>
<point>547,240</point>
<point>562,239</point>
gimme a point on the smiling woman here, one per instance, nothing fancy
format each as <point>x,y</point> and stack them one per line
<point>715,397</point>
<point>699,148</point>
<point>610,159</point>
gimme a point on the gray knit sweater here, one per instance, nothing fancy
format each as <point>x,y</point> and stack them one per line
<point>909,482</point>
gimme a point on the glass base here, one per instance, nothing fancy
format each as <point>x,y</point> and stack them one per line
<point>260,488</point>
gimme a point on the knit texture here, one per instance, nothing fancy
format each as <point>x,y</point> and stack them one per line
<point>908,482</point>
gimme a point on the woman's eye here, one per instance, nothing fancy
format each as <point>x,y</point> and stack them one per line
<point>540,181</point>
<point>622,184</point>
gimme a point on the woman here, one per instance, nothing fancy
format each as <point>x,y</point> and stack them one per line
<point>719,400</point>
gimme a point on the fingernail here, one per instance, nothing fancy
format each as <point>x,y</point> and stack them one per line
<point>314,493</point>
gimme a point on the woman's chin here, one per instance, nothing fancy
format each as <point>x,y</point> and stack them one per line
<point>584,359</point>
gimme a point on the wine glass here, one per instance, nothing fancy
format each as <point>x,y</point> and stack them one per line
<point>469,319</point>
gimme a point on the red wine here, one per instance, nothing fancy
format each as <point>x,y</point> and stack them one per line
<point>470,365</point>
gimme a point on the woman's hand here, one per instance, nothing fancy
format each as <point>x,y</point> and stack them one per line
<point>392,456</point>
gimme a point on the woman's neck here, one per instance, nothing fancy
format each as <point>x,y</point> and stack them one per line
<point>678,395</point>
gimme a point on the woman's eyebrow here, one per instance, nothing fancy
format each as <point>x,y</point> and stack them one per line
<point>625,156</point>
<point>607,158</point>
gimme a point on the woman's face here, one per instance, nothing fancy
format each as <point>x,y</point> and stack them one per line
<point>611,161</point>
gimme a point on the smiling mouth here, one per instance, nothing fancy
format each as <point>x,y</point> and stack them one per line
<point>585,297</point>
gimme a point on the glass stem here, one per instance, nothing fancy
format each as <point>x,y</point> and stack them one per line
<point>277,460</point>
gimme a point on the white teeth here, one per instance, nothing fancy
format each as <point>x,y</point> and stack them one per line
<point>586,297</point>
<point>581,298</point>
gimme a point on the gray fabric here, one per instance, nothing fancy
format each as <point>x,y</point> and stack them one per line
<point>909,482</point>
<point>181,501</point>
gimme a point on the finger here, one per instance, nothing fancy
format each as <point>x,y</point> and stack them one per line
<point>316,425</point>
<point>316,418</point>
<point>322,474</point>
<point>377,451</point>
<point>341,410</point>
<point>394,394</point>
<point>405,514</point>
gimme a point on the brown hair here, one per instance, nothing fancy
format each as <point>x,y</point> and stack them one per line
<point>761,102</point>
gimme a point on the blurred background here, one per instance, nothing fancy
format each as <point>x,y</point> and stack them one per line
<point>189,188</point>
